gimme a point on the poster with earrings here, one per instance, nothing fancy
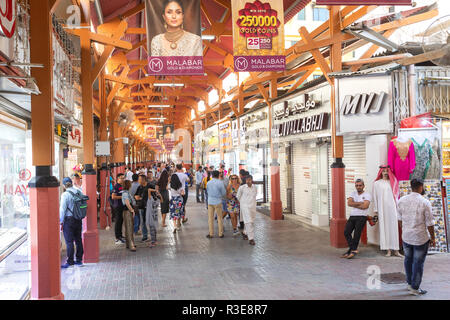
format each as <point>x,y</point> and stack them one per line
<point>174,42</point>
<point>433,193</point>
<point>258,35</point>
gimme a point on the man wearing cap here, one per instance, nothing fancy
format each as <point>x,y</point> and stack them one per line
<point>70,226</point>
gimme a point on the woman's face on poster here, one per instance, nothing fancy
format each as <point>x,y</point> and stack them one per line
<point>173,15</point>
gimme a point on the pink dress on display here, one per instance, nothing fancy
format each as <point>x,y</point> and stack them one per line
<point>401,158</point>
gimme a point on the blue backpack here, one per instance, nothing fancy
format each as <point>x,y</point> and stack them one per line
<point>80,205</point>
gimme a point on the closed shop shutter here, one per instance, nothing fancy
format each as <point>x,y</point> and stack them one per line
<point>355,163</point>
<point>283,185</point>
<point>304,162</point>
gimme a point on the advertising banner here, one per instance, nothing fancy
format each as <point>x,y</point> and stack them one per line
<point>75,136</point>
<point>174,37</point>
<point>365,2</point>
<point>150,132</point>
<point>225,136</point>
<point>258,35</point>
<point>8,16</point>
<point>169,139</point>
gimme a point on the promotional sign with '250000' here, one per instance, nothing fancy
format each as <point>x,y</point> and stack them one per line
<point>258,36</point>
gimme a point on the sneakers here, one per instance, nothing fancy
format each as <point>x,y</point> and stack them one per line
<point>409,287</point>
<point>235,232</point>
<point>79,264</point>
<point>119,241</point>
<point>417,292</point>
<point>66,265</point>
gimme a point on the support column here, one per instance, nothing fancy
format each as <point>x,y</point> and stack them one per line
<point>90,228</point>
<point>338,220</point>
<point>44,187</point>
<point>276,207</point>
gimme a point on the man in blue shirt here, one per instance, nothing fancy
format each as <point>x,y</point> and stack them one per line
<point>70,226</point>
<point>216,191</point>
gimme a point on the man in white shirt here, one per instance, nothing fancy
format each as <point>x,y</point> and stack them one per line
<point>184,179</point>
<point>129,174</point>
<point>247,199</point>
<point>416,219</point>
<point>360,202</point>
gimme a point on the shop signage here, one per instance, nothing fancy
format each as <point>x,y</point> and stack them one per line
<point>365,2</point>
<point>175,46</point>
<point>303,104</point>
<point>363,103</point>
<point>360,109</point>
<point>313,123</point>
<point>225,136</point>
<point>254,118</point>
<point>235,133</point>
<point>75,137</point>
<point>8,9</point>
<point>258,35</point>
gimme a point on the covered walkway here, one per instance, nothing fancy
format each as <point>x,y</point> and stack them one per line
<point>289,261</point>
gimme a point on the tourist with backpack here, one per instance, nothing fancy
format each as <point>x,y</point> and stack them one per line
<point>72,211</point>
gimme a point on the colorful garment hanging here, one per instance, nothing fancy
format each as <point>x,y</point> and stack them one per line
<point>423,153</point>
<point>401,158</point>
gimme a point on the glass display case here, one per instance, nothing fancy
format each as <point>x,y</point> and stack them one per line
<point>14,209</point>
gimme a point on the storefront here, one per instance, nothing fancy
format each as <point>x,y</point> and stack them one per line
<point>14,209</point>
<point>302,123</point>
<point>212,146</point>
<point>228,155</point>
<point>254,150</point>
<point>365,117</point>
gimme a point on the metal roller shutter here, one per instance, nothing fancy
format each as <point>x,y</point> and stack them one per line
<point>355,163</point>
<point>283,168</point>
<point>303,163</point>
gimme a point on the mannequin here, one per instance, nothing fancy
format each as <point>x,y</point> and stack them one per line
<point>385,196</point>
<point>401,157</point>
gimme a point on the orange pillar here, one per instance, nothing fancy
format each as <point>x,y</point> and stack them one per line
<point>338,220</point>
<point>44,187</point>
<point>105,208</point>
<point>90,228</point>
<point>276,207</point>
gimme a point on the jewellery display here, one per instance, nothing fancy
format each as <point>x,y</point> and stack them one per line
<point>173,37</point>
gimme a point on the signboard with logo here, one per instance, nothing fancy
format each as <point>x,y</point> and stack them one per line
<point>235,133</point>
<point>174,37</point>
<point>75,136</point>
<point>8,15</point>
<point>225,136</point>
<point>365,2</point>
<point>364,105</point>
<point>150,131</point>
<point>306,113</point>
<point>258,35</point>
<point>254,127</point>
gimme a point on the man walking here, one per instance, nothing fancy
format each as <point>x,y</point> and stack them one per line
<point>360,202</point>
<point>118,207</point>
<point>247,200</point>
<point>184,179</point>
<point>198,183</point>
<point>216,191</point>
<point>70,226</point>
<point>141,197</point>
<point>415,217</point>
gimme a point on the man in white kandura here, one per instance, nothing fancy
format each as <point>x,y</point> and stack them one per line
<point>247,199</point>
<point>385,195</point>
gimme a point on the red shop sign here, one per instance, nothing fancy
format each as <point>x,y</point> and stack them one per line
<point>8,17</point>
<point>365,2</point>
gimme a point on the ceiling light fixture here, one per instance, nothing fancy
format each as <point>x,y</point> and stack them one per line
<point>159,106</point>
<point>208,37</point>
<point>162,84</point>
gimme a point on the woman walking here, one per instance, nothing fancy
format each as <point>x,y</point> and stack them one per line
<point>162,189</point>
<point>176,202</point>
<point>128,215</point>
<point>233,202</point>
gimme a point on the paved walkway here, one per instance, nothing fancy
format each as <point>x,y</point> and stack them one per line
<point>289,261</point>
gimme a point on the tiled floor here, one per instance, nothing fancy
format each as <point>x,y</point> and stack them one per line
<point>289,261</point>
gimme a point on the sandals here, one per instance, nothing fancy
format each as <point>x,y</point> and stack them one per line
<point>244,236</point>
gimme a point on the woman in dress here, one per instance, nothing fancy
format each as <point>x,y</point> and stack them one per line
<point>175,41</point>
<point>128,215</point>
<point>176,202</point>
<point>233,202</point>
<point>163,191</point>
